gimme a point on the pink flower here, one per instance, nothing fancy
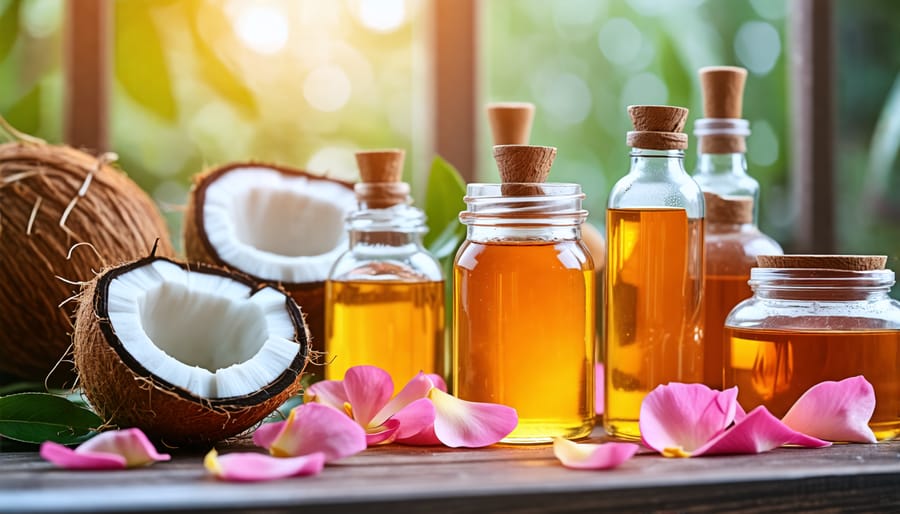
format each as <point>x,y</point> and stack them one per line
<point>689,420</point>
<point>256,467</point>
<point>422,413</point>
<point>115,449</point>
<point>835,411</point>
<point>592,456</point>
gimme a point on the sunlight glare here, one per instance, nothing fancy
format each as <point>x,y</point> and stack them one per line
<point>263,29</point>
<point>382,15</point>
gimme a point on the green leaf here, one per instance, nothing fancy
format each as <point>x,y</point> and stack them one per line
<point>25,113</point>
<point>213,70</point>
<point>39,417</point>
<point>443,200</point>
<point>140,61</point>
<point>446,243</point>
<point>9,27</point>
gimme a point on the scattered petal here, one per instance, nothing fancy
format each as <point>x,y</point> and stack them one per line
<point>314,427</point>
<point>414,418</point>
<point>266,434</point>
<point>592,456</point>
<point>255,467</point>
<point>599,389</point>
<point>115,449</point>
<point>67,458</point>
<point>329,392</point>
<point>382,434</point>
<point>414,390</point>
<point>677,419</point>
<point>426,437</point>
<point>835,411</point>
<point>437,381</point>
<point>368,390</point>
<point>759,431</point>
<point>458,423</point>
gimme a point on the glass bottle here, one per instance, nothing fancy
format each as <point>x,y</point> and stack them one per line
<point>523,300</point>
<point>816,318</point>
<point>385,294</point>
<point>654,270</point>
<point>732,244</point>
<point>722,159</point>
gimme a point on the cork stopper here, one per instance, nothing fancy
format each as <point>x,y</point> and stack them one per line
<point>510,122</point>
<point>723,91</point>
<point>521,166</point>
<point>723,98</point>
<point>835,262</point>
<point>381,172</point>
<point>657,127</point>
<point>728,209</point>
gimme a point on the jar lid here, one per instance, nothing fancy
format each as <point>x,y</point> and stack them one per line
<point>834,262</point>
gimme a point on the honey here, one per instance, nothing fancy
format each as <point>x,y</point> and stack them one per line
<point>397,326</point>
<point>721,294</point>
<point>773,367</point>
<point>524,316</point>
<point>654,316</point>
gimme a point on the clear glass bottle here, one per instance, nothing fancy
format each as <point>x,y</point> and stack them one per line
<point>807,325</point>
<point>732,244</point>
<point>385,294</point>
<point>523,308</point>
<point>654,270</point>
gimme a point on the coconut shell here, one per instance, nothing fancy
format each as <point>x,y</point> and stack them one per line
<point>125,394</point>
<point>112,221</point>
<point>310,296</point>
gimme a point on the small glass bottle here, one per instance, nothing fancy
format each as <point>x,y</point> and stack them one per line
<point>722,160</point>
<point>732,243</point>
<point>654,270</point>
<point>523,299</point>
<point>385,295</point>
<point>811,319</point>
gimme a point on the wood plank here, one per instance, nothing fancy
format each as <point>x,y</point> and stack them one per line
<point>512,479</point>
<point>87,74</point>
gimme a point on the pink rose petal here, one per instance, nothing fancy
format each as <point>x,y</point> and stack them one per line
<point>678,419</point>
<point>314,427</point>
<point>415,389</point>
<point>437,381</point>
<point>426,437</point>
<point>368,390</point>
<point>592,456</point>
<point>414,418</point>
<point>599,388</point>
<point>329,392</point>
<point>458,423</point>
<point>130,443</point>
<point>255,467</point>
<point>835,411</point>
<point>758,432</point>
<point>69,459</point>
<point>382,434</point>
<point>266,434</point>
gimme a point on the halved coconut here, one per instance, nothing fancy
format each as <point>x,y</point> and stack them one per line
<point>273,223</point>
<point>188,354</point>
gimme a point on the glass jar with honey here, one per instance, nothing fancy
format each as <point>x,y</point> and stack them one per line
<point>523,299</point>
<point>385,295</point>
<point>811,319</point>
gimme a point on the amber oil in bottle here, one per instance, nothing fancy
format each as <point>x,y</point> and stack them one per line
<point>654,272</point>
<point>523,302</point>
<point>385,295</point>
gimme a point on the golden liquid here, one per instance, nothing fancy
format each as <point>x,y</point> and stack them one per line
<point>397,326</point>
<point>721,294</point>
<point>774,367</point>
<point>654,280</point>
<point>524,320</point>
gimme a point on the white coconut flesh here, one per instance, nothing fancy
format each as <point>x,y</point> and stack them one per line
<point>275,226</point>
<point>203,332</point>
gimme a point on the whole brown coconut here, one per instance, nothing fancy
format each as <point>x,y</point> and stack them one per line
<point>64,215</point>
<point>280,206</point>
<point>128,389</point>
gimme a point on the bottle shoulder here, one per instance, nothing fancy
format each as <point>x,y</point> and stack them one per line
<point>361,264</point>
<point>636,191</point>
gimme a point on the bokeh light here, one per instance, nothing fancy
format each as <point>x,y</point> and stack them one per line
<point>263,28</point>
<point>757,46</point>
<point>382,15</point>
<point>327,88</point>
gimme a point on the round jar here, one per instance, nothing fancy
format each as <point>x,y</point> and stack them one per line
<point>807,325</point>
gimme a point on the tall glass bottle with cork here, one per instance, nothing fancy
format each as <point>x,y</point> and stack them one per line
<point>523,299</point>
<point>732,238</point>
<point>385,295</point>
<point>654,273</point>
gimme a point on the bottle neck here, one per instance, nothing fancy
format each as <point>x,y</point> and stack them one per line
<point>722,163</point>
<point>398,226</point>
<point>662,163</point>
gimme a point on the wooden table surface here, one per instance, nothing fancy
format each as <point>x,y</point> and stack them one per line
<point>858,478</point>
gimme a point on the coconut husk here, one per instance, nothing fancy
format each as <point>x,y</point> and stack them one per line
<point>126,394</point>
<point>310,296</point>
<point>64,215</point>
